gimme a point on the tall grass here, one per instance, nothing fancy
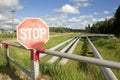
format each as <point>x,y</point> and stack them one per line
<point>91,72</point>
<point>109,48</point>
<point>5,36</point>
<point>59,72</point>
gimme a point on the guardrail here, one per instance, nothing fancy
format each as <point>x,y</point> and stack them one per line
<point>63,61</point>
<point>105,63</point>
<point>54,58</point>
<point>97,35</point>
<point>34,73</point>
<point>109,75</point>
<point>56,47</point>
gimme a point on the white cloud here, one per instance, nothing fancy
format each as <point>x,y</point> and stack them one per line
<point>79,22</point>
<point>86,4</point>
<point>106,12</point>
<point>10,22</point>
<point>2,18</point>
<point>55,20</point>
<point>67,9</point>
<point>95,13</point>
<point>6,27</point>
<point>86,17</point>
<point>63,20</point>
<point>101,19</point>
<point>84,21</point>
<point>108,17</point>
<point>80,3</point>
<point>74,20</point>
<point>79,0</point>
<point>10,4</point>
<point>5,14</point>
<point>94,20</point>
<point>19,7</point>
<point>77,5</point>
<point>6,20</point>
<point>116,8</point>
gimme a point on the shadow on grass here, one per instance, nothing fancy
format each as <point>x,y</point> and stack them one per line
<point>82,65</point>
<point>5,69</point>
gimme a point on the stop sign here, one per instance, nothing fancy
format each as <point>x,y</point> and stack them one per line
<point>32,33</point>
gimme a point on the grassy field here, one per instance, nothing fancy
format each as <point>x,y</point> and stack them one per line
<point>110,50</point>
<point>23,57</point>
<point>73,70</point>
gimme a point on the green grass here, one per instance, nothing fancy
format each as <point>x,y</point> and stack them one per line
<point>23,56</point>
<point>54,33</point>
<point>77,51</point>
<point>59,72</point>
<point>109,48</point>
<point>56,40</point>
<point>73,70</point>
<point>14,71</point>
<point>91,72</point>
<point>5,36</point>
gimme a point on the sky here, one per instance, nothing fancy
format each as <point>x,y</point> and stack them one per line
<point>76,14</point>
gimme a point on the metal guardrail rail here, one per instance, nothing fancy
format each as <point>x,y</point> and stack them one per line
<point>109,75</point>
<point>63,61</point>
<point>56,47</point>
<point>99,62</point>
<point>97,35</point>
<point>54,58</point>
<point>16,63</point>
<point>105,63</point>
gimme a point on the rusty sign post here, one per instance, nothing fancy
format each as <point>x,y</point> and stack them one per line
<point>33,33</point>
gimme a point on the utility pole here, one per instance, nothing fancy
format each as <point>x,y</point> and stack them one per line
<point>13,12</point>
<point>12,30</point>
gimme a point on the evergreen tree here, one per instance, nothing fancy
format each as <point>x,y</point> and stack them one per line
<point>116,28</point>
<point>88,29</point>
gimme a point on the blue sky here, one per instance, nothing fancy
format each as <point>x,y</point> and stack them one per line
<point>68,13</point>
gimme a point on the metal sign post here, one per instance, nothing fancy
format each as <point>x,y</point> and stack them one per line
<point>6,53</point>
<point>35,64</point>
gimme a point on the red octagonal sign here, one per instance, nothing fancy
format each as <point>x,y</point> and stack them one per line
<point>32,33</point>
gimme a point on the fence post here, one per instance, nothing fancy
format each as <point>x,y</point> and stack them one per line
<point>6,53</point>
<point>35,64</point>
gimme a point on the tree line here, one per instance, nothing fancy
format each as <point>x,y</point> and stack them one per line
<point>64,30</point>
<point>109,26</point>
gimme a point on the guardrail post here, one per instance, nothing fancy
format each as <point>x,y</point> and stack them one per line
<point>6,53</point>
<point>35,64</point>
